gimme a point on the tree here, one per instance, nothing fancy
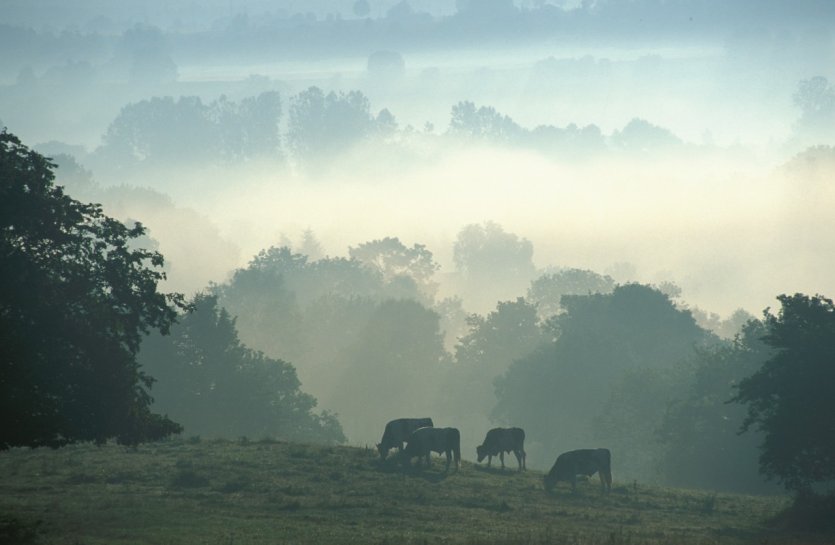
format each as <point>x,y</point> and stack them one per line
<point>483,123</point>
<point>547,290</point>
<point>790,398</point>
<point>263,298</point>
<point>816,99</point>
<point>598,348</point>
<point>396,262</point>
<point>76,297</point>
<point>642,136</point>
<point>248,129</point>
<point>361,8</point>
<point>394,367</point>
<point>310,246</point>
<point>161,131</point>
<point>164,131</point>
<point>216,386</point>
<point>493,263</point>
<point>323,124</point>
<point>699,429</point>
<point>492,343</point>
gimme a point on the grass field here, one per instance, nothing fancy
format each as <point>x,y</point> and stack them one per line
<point>256,492</point>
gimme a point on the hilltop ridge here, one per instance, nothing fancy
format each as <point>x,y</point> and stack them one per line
<point>252,492</point>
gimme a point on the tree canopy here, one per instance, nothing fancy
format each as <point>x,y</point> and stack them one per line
<point>699,429</point>
<point>605,352</point>
<point>216,386</point>
<point>790,398</point>
<point>76,297</point>
<point>398,263</point>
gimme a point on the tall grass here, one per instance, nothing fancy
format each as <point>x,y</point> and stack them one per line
<point>258,492</point>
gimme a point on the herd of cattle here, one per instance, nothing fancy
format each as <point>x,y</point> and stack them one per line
<point>422,438</point>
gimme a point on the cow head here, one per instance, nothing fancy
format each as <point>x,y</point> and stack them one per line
<point>482,452</point>
<point>383,451</point>
<point>550,481</point>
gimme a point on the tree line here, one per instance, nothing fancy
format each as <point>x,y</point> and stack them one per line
<point>164,131</point>
<point>93,351</point>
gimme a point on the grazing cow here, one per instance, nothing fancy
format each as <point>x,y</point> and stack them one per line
<point>501,440</point>
<point>397,431</point>
<point>424,441</point>
<point>581,462</point>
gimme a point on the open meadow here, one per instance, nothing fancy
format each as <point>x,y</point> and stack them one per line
<point>253,492</point>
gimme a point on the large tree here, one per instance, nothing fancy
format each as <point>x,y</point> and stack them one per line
<point>399,264</point>
<point>601,349</point>
<point>216,386</point>
<point>492,264</point>
<point>326,124</point>
<point>790,398</point>
<point>699,429</point>
<point>547,290</point>
<point>76,297</point>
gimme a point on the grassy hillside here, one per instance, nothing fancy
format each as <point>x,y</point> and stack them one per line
<point>220,492</point>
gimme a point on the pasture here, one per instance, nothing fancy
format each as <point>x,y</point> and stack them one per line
<point>258,492</point>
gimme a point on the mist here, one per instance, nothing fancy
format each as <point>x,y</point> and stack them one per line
<point>683,148</point>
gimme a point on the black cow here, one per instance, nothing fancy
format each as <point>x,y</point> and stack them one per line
<point>424,441</point>
<point>581,462</point>
<point>501,440</point>
<point>397,431</point>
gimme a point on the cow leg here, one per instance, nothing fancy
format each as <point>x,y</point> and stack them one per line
<point>606,481</point>
<point>448,460</point>
<point>518,459</point>
<point>501,457</point>
<point>489,459</point>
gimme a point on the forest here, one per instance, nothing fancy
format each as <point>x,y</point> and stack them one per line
<point>606,223</point>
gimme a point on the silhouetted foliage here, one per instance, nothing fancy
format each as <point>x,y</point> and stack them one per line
<point>642,136</point>
<point>75,299</point>
<point>492,261</point>
<point>398,263</point>
<point>395,363</point>
<point>727,328</point>
<point>361,8</point>
<point>216,386</point>
<point>816,99</point>
<point>483,123</point>
<point>571,141</point>
<point>790,399</point>
<point>484,352</point>
<point>547,290</point>
<point>702,447</point>
<point>164,131</point>
<point>557,391</point>
<point>326,124</point>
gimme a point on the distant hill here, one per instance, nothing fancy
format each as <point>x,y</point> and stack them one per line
<point>253,492</point>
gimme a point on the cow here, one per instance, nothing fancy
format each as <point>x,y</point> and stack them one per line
<point>501,440</point>
<point>581,462</point>
<point>423,441</point>
<point>397,431</point>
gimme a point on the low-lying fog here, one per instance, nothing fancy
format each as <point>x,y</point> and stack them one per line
<point>693,149</point>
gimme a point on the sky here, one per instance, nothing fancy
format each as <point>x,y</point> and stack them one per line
<point>717,215</point>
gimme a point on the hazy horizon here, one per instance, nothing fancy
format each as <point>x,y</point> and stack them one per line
<point>654,142</point>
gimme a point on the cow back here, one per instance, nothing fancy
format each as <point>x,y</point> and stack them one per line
<point>400,429</point>
<point>580,462</point>
<point>427,439</point>
<point>502,440</point>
